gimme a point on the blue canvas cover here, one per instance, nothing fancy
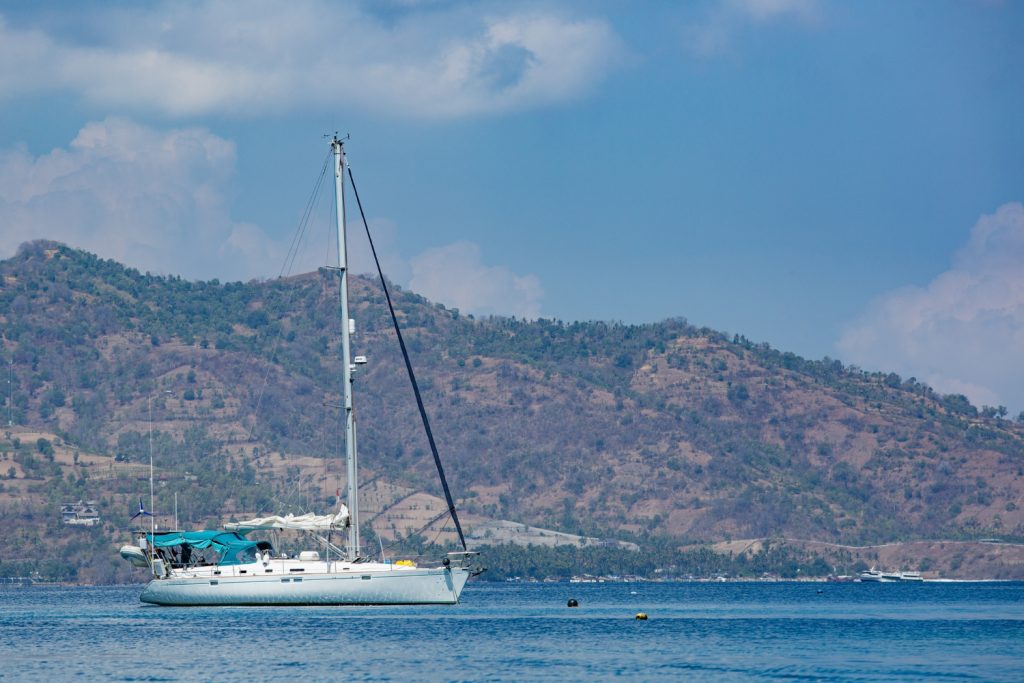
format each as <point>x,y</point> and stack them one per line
<point>230,545</point>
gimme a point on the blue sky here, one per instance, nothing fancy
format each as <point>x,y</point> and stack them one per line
<point>837,179</point>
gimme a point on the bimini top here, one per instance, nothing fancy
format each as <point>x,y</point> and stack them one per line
<point>229,544</point>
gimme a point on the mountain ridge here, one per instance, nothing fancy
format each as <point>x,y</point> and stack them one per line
<point>659,431</point>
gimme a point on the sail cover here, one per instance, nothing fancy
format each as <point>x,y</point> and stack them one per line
<point>307,522</point>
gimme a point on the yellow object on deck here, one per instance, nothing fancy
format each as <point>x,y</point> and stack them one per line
<point>405,563</point>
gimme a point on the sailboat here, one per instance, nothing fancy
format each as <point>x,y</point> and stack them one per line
<point>224,567</point>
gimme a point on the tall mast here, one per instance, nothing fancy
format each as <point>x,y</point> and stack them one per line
<point>152,515</point>
<point>338,148</point>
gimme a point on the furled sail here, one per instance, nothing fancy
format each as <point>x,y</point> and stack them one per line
<point>307,522</point>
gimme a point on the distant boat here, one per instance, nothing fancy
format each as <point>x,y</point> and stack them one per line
<point>875,576</point>
<point>842,578</point>
<point>224,567</point>
<point>587,578</point>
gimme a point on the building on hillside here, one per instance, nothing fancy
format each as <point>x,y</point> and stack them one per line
<point>82,513</point>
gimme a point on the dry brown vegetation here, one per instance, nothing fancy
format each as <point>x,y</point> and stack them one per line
<point>663,433</point>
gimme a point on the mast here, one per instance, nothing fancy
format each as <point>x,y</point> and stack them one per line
<point>338,148</point>
<point>152,515</point>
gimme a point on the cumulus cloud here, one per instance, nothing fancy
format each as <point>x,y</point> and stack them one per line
<point>158,201</point>
<point>216,57</point>
<point>456,276</point>
<point>154,200</point>
<point>964,331</point>
<point>726,20</point>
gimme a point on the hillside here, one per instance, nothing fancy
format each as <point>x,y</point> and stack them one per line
<point>663,433</point>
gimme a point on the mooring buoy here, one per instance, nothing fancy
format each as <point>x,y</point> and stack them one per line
<point>641,616</point>
<point>572,603</point>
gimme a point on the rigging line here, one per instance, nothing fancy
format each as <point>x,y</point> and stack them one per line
<point>327,420</point>
<point>408,367</point>
<point>399,541</point>
<point>440,530</point>
<point>291,498</point>
<point>286,268</point>
<point>311,202</point>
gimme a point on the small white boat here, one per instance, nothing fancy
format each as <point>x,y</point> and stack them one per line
<point>875,576</point>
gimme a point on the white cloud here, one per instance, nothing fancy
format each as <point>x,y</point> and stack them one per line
<point>216,57</point>
<point>158,201</point>
<point>726,20</point>
<point>456,276</point>
<point>154,200</point>
<point>964,331</point>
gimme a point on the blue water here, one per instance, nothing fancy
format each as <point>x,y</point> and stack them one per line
<point>766,631</point>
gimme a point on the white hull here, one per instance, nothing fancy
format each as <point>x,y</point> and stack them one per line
<point>881,577</point>
<point>436,586</point>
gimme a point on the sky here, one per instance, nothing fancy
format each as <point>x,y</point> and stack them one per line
<point>835,179</point>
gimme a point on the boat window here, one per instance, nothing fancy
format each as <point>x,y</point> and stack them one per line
<point>300,569</point>
<point>365,577</point>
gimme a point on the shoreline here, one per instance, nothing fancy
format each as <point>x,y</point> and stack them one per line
<point>519,582</point>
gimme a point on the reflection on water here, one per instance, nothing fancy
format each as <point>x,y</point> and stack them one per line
<point>855,632</point>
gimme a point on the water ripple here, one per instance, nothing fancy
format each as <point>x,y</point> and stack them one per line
<point>778,632</point>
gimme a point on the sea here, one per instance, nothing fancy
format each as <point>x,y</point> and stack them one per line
<point>526,632</point>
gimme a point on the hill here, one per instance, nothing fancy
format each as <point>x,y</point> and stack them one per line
<point>663,434</point>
